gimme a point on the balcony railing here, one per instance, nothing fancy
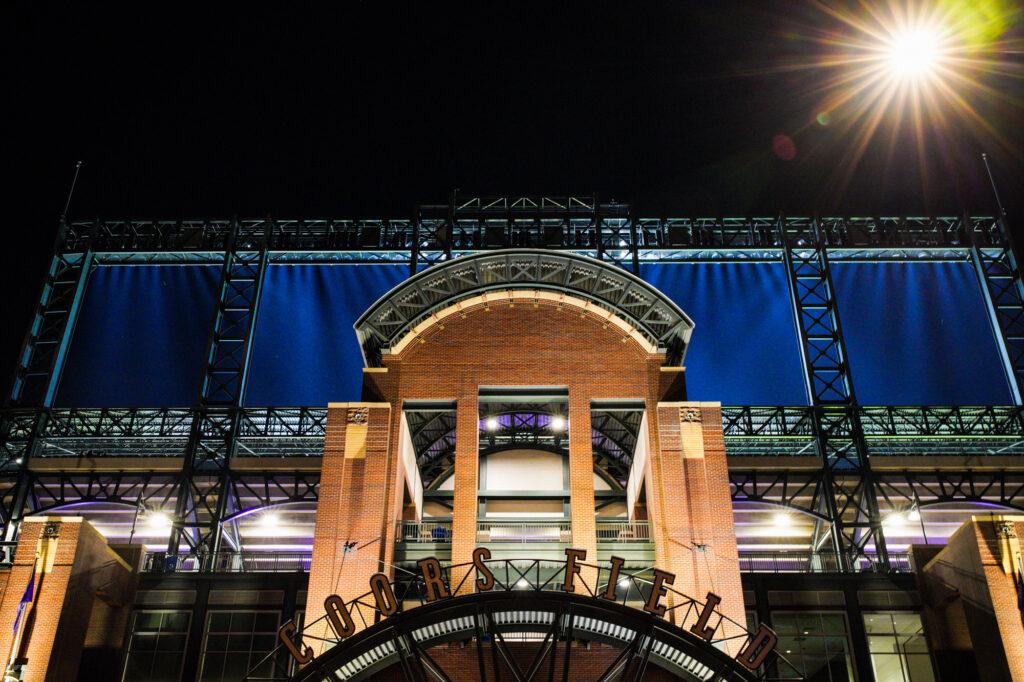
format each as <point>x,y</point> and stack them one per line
<point>7,553</point>
<point>816,562</point>
<point>524,531</point>
<point>624,531</point>
<point>228,562</point>
<point>425,531</point>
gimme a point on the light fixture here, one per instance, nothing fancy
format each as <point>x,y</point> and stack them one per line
<point>623,582</point>
<point>270,521</point>
<point>914,514</point>
<point>557,423</point>
<point>782,520</point>
<point>914,52</point>
<point>893,521</point>
<point>523,583</point>
<point>158,520</point>
<point>492,423</point>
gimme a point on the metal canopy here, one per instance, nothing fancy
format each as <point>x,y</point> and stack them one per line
<point>405,639</point>
<point>645,308</point>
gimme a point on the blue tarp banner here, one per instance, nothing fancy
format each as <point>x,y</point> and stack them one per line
<point>744,349</point>
<point>917,333</point>
<point>140,337</point>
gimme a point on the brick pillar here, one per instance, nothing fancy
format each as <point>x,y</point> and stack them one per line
<point>581,484</point>
<point>358,482</point>
<point>75,567</point>
<point>691,507</point>
<point>972,612</point>
<point>464,502</point>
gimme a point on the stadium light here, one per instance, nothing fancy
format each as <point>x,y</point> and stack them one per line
<point>782,520</point>
<point>270,521</point>
<point>557,423</point>
<point>491,423</point>
<point>158,521</point>
<point>914,52</point>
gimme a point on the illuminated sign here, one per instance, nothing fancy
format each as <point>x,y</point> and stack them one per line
<point>751,655</point>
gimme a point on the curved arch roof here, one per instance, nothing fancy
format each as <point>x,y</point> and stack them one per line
<point>635,301</point>
<point>383,644</point>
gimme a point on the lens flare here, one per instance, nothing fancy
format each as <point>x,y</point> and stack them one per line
<point>921,71</point>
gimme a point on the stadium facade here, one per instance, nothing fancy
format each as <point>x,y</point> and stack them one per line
<point>519,438</point>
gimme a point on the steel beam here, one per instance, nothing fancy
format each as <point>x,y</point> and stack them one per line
<point>847,483</point>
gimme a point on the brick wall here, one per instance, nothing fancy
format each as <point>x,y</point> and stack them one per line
<point>355,516</point>
<point>76,569</point>
<point>971,602</point>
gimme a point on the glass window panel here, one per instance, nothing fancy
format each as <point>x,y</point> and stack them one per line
<point>887,668</point>
<point>266,622</point>
<point>833,623</point>
<point>880,623</point>
<point>919,668</point>
<point>242,621</point>
<point>220,621</point>
<point>882,645</point>
<point>811,653</point>
<point>176,621</point>
<point>899,650</point>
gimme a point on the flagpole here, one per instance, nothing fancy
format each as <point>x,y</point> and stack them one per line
<point>20,621</point>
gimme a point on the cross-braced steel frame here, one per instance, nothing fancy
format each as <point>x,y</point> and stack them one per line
<point>218,430</point>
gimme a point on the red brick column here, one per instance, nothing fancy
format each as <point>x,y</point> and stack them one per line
<point>464,502</point>
<point>358,482</point>
<point>71,560</point>
<point>690,504</point>
<point>971,598</point>
<point>581,484</point>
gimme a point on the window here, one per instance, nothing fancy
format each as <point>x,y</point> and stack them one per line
<point>236,641</point>
<point>815,646</point>
<point>156,650</point>
<point>899,652</point>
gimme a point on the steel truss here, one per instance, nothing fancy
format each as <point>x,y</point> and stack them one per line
<point>849,494</point>
<point>211,436</point>
<point>901,489</point>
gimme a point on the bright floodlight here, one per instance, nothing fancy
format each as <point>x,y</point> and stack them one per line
<point>914,53</point>
<point>558,423</point>
<point>782,520</point>
<point>492,424</point>
<point>914,515</point>
<point>158,521</point>
<point>270,521</point>
<point>893,521</point>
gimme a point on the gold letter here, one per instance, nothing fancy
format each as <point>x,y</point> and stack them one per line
<point>661,578</point>
<point>432,579</point>
<point>339,616</point>
<point>481,554</point>
<point>700,628</point>
<point>285,635</point>
<point>613,578</point>
<point>380,585</point>
<point>571,568</point>
<point>749,656</point>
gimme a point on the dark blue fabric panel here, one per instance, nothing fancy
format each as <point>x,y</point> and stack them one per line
<point>744,349</point>
<point>305,350</point>
<point>918,333</point>
<point>140,337</point>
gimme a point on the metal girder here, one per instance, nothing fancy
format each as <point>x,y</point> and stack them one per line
<point>909,488</point>
<point>846,470</point>
<point>1003,289</point>
<point>477,223</point>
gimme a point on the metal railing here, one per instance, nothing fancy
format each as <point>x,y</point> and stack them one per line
<point>816,562</point>
<point>524,531</point>
<point>228,562</point>
<point>7,553</point>
<point>624,531</point>
<point>424,531</point>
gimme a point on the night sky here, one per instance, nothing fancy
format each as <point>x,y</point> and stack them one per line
<point>366,109</point>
